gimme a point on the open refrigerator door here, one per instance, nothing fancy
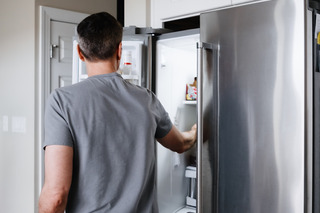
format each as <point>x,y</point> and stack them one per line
<point>131,61</point>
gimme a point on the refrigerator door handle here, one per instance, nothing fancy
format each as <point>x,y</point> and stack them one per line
<point>201,48</point>
<point>207,46</point>
<point>199,125</point>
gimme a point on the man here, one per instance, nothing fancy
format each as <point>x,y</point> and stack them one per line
<point>100,133</point>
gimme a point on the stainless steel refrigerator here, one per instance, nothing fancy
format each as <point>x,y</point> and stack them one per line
<point>257,68</point>
<point>256,109</point>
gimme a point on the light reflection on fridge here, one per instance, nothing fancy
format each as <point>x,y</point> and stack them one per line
<point>176,66</point>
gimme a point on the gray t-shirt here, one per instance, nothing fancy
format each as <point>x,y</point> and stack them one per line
<point>111,125</point>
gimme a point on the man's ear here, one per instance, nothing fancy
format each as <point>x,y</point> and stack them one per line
<point>79,53</point>
<point>119,51</point>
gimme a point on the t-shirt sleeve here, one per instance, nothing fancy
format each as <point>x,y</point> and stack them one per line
<point>164,123</point>
<point>164,126</point>
<point>57,130</point>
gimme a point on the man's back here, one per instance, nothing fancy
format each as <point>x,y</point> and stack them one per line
<point>111,125</point>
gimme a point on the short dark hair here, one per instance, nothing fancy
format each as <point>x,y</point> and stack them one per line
<point>99,36</point>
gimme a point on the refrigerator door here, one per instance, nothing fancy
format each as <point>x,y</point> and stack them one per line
<point>253,148</point>
<point>315,43</point>
<point>140,47</point>
<point>131,61</point>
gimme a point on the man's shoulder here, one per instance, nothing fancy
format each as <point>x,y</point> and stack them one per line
<point>67,92</point>
<point>72,89</point>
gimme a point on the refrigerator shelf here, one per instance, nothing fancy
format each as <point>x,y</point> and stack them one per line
<point>190,102</point>
<point>186,209</point>
<point>191,172</point>
<point>136,77</point>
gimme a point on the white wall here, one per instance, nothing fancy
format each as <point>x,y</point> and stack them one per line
<point>17,80</point>
<point>18,73</point>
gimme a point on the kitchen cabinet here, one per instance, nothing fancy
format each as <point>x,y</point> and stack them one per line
<point>137,13</point>
<point>166,10</point>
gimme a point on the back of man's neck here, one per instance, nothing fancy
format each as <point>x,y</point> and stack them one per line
<point>100,67</point>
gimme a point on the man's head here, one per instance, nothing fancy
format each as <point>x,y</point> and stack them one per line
<point>99,36</point>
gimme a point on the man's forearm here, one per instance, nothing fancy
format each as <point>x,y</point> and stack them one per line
<point>58,176</point>
<point>179,141</point>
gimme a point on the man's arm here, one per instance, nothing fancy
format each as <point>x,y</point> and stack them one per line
<point>58,176</point>
<point>179,141</point>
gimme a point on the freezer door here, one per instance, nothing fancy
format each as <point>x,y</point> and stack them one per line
<point>140,48</point>
<point>252,156</point>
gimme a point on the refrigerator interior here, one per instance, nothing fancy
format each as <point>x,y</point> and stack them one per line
<point>176,66</point>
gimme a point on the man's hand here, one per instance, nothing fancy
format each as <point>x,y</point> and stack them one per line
<point>179,141</point>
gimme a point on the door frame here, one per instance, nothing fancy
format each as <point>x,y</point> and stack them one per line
<point>47,14</point>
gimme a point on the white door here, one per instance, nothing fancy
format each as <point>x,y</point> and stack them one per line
<point>61,54</point>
